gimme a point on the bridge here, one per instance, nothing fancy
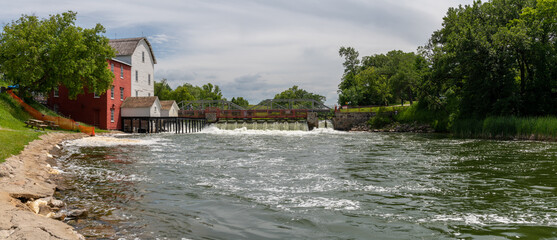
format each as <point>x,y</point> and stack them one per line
<point>267,110</point>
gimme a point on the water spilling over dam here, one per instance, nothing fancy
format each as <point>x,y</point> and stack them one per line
<point>300,125</point>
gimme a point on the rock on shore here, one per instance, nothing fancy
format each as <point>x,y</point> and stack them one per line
<point>395,127</point>
<point>26,203</point>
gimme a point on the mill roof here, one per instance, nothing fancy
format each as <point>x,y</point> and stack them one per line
<point>166,105</point>
<point>126,46</point>
<point>139,102</point>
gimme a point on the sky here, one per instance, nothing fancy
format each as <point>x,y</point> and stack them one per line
<point>254,48</point>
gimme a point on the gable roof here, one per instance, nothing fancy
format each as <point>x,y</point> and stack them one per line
<point>166,105</point>
<point>139,102</point>
<point>126,46</point>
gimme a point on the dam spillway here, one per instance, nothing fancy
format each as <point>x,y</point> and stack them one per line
<point>299,125</point>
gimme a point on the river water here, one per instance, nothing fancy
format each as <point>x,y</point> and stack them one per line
<point>321,184</point>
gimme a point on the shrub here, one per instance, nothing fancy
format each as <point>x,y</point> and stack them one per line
<point>381,119</point>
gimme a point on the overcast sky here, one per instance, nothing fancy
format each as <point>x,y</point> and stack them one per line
<point>254,48</point>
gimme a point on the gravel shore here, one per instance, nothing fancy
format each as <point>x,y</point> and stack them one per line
<point>27,208</point>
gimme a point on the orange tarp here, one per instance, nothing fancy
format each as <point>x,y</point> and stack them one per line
<point>64,123</point>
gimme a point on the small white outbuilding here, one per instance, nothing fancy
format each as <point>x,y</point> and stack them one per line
<point>169,108</point>
<point>141,107</point>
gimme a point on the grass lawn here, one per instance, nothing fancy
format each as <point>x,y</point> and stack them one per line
<point>13,141</point>
<point>391,107</point>
<point>13,133</point>
<point>375,109</point>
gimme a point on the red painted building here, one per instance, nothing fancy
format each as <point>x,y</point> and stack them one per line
<point>100,110</point>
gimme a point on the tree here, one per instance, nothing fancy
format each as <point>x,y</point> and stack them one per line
<point>494,58</point>
<point>373,88</point>
<point>185,92</point>
<point>346,88</point>
<point>41,55</point>
<point>297,93</point>
<point>240,101</point>
<point>188,92</point>
<point>380,79</point>
<point>163,90</point>
<point>210,92</point>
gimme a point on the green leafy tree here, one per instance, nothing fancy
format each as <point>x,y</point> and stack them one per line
<point>347,88</point>
<point>381,78</point>
<point>297,93</point>
<point>185,92</point>
<point>240,101</point>
<point>42,54</point>
<point>373,88</point>
<point>210,92</point>
<point>494,58</point>
<point>163,90</point>
<point>188,92</point>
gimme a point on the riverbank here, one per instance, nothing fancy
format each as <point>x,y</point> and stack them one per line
<point>26,190</point>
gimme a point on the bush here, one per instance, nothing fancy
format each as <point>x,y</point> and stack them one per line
<point>381,119</point>
<point>437,119</point>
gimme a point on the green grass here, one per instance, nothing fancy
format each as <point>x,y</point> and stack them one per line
<point>375,109</point>
<point>13,133</point>
<point>97,130</point>
<point>41,108</point>
<point>509,127</point>
<point>437,119</point>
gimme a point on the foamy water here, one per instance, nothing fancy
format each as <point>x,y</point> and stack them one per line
<point>110,141</point>
<point>244,131</point>
<point>320,184</point>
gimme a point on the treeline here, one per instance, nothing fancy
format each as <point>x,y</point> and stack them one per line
<point>380,79</point>
<point>496,58</point>
<point>188,92</point>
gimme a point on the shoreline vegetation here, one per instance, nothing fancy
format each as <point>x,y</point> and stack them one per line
<point>419,120</point>
<point>488,72</point>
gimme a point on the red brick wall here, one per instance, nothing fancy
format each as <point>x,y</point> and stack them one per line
<point>96,111</point>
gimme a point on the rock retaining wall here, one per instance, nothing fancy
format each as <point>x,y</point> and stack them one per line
<point>345,121</point>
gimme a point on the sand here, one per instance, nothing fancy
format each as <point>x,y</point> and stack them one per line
<point>27,177</point>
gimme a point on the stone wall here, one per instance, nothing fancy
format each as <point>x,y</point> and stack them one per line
<point>344,121</point>
<point>312,120</point>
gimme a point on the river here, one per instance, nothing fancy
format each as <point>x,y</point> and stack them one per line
<point>321,184</point>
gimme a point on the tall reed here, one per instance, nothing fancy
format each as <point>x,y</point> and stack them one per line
<point>507,127</point>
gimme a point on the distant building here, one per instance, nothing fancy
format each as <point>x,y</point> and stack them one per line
<point>133,69</point>
<point>100,110</point>
<point>138,53</point>
<point>169,108</point>
<point>141,107</point>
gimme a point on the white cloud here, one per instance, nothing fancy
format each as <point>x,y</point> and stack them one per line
<point>254,48</point>
<point>159,39</point>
